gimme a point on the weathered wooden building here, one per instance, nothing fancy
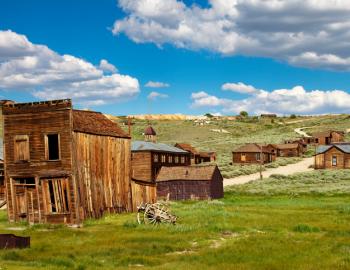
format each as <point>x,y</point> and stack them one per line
<point>194,154</point>
<point>252,153</point>
<point>326,137</point>
<point>207,157</point>
<point>334,156</point>
<point>286,150</point>
<point>190,182</point>
<point>147,160</point>
<point>64,165</point>
<point>301,141</point>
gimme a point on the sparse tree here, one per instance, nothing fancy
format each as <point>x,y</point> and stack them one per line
<point>293,116</point>
<point>243,114</point>
<point>209,115</point>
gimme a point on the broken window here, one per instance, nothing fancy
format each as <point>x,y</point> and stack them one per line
<point>163,158</point>
<point>52,146</point>
<point>176,159</point>
<point>56,195</point>
<point>170,159</point>
<point>24,181</point>
<point>21,148</point>
<point>334,160</point>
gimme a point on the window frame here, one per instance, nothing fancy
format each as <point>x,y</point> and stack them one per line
<point>63,191</point>
<point>334,158</point>
<point>46,139</point>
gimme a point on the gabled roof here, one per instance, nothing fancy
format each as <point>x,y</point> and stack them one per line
<point>189,173</point>
<point>96,123</point>
<point>286,146</point>
<point>251,148</point>
<point>151,146</point>
<point>342,147</point>
<point>150,131</point>
<point>187,147</point>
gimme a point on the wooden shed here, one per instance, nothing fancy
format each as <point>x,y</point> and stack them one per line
<point>327,137</point>
<point>207,157</point>
<point>334,156</point>
<point>147,160</point>
<point>64,165</point>
<point>286,150</point>
<point>190,182</point>
<point>252,153</point>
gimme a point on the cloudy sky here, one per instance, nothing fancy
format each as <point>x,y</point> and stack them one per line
<point>171,56</point>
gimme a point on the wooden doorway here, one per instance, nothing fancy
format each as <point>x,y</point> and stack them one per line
<point>25,199</point>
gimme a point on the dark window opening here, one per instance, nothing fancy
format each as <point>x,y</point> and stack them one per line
<point>25,181</point>
<point>53,147</point>
<point>52,198</point>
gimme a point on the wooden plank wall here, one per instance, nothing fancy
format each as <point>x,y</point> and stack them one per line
<point>101,169</point>
<point>141,166</point>
<point>35,122</point>
<point>143,193</point>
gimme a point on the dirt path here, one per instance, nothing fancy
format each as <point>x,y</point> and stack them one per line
<point>302,166</point>
<point>301,132</point>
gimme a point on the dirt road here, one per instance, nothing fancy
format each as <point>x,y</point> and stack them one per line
<point>302,166</point>
<point>301,132</point>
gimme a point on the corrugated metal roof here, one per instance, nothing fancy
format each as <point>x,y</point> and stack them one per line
<point>324,148</point>
<point>150,146</point>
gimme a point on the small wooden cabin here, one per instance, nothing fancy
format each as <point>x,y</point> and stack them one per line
<point>195,156</point>
<point>301,141</point>
<point>286,150</point>
<point>327,137</point>
<point>207,157</point>
<point>190,182</point>
<point>147,160</point>
<point>334,156</point>
<point>252,153</point>
<point>64,165</point>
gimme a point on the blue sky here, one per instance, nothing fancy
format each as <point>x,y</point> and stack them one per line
<point>195,68</point>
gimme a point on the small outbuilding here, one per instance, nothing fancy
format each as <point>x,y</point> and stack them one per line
<point>190,182</point>
<point>327,137</point>
<point>252,153</point>
<point>334,156</point>
<point>286,150</point>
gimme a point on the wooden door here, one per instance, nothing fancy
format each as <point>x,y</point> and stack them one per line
<point>21,203</point>
<point>243,157</point>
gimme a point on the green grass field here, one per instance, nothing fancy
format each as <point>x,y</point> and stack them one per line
<point>294,222</point>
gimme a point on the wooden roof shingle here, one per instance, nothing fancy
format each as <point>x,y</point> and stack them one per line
<point>189,173</point>
<point>96,123</point>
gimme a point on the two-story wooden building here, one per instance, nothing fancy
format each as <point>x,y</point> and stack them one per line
<point>64,165</point>
<point>147,160</point>
<point>334,156</point>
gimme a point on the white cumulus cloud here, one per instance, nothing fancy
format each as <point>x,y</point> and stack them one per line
<point>152,84</point>
<point>239,88</point>
<point>155,95</point>
<point>281,101</point>
<point>47,74</point>
<point>106,66</point>
<point>307,33</point>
